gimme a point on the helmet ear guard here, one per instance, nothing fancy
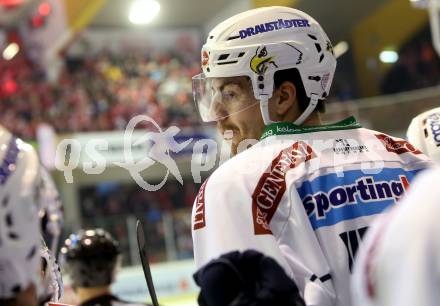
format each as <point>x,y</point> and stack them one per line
<point>263,80</point>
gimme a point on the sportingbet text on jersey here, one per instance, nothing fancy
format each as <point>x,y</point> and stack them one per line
<point>305,196</point>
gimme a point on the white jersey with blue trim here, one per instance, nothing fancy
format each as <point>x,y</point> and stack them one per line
<point>305,196</point>
<point>399,263</point>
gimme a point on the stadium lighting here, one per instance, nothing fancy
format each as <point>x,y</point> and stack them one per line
<point>419,3</point>
<point>143,11</point>
<point>388,56</point>
<point>44,9</point>
<point>340,48</point>
<point>10,4</point>
<point>10,51</point>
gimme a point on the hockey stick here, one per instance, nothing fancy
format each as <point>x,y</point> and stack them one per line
<point>144,259</point>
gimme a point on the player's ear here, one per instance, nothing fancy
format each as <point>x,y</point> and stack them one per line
<point>284,99</point>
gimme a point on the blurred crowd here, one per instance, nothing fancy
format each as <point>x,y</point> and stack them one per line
<point>418,66</point>
<point>115,207</point>
<point>104,91</point>
<point>101,92</point>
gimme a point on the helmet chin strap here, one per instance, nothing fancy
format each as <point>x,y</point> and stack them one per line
<point>264,107</point>
<point>310,108</point>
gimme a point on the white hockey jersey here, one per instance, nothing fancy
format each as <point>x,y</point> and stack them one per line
<point>399,263</point>
<point>305,196</point>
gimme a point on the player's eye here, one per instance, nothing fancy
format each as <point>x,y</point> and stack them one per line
<point>228,95</point>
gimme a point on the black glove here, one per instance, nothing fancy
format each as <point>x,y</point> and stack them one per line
<point>246,279</point>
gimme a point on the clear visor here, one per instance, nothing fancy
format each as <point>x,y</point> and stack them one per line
<point>218,98</point>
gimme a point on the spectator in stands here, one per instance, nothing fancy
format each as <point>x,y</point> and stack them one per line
<point>102,92</point>
<point>418,66</point>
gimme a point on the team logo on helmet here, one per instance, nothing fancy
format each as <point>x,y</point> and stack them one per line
<point>432,122</point>
<point>285,55</point>
<point>261,60</point>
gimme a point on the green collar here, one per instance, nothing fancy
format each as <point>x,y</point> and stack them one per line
<point>285,128</point>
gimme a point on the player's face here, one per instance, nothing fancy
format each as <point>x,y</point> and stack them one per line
<point>235,103</point>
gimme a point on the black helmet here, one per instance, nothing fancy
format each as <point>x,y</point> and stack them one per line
<point>91,257</point>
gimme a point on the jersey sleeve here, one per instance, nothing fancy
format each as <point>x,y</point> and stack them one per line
<point>222,221</point>
<point>400,264</point>
<point>408,266</point>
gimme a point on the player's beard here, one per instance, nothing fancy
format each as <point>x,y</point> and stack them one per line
<point>235,141</point>
<point>231,140</point>
<point>234,146</point>
<point>239,134</point>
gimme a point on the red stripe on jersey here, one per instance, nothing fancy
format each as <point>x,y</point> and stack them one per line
<point>199,214</point>
<point>397,146</point>
<point>272,185</point>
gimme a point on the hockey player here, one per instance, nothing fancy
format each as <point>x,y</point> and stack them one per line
<point>21,282</point>
<point>92,257</point>
<point>400,261</point>
<point>304,193</point>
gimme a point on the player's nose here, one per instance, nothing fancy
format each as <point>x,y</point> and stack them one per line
<point>218,110</point>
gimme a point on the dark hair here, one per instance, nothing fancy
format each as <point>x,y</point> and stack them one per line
<point>292,75</point>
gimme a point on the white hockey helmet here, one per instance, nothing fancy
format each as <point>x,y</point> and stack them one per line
<point>259,42</point>
<point>424,133</point>
<point>20,261</point>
